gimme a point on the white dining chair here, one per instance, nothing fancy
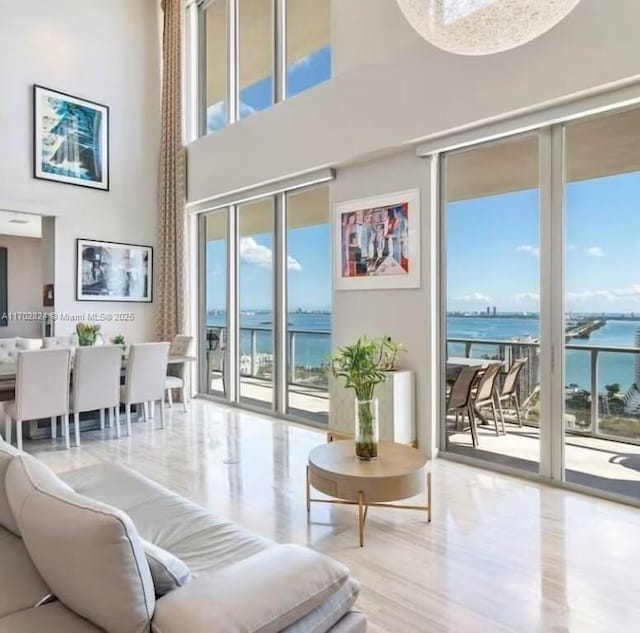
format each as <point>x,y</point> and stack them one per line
<point>146,373</point>
<point>42,391</point>
<point>96,384</point>
<point>180,346</point>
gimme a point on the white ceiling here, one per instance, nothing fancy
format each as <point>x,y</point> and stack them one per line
<point>21,224</point>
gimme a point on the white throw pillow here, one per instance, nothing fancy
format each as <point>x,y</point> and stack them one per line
<point>88,553</point>
<point>168,571</point>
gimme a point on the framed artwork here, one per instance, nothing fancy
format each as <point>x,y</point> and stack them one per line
<point>378,242</point>
<point>110,271</point>
<point>70,139</point>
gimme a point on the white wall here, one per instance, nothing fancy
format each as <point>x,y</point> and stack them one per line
<point>24,281</point>
<point>401,314</point>
<point>393,88</point>
<point>106,52</point>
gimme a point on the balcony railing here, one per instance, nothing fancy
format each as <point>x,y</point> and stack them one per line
<point>307,353</point>
<point>606,415</point>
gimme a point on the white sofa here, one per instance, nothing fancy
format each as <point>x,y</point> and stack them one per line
<point>104,549</point>
<point>9,347</point>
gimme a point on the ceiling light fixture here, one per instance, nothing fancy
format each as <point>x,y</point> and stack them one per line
<point>483,27</point>
<point>19,221</point>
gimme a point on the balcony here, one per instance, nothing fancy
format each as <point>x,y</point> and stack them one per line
<point>307,384</point>
<point>602,423</point>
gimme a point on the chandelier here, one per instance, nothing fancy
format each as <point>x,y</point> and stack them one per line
<point>483,27</point>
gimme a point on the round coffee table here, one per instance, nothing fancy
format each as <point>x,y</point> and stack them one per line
<point>398,473</point>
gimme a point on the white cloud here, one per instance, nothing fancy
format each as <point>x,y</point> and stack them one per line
<point>632,293</point>
<point>303,62</point>
<point>262,256</point>
<point>475,296</point>
<point>217,114</point>
<point>529,249</point>
<point>527,297</point>
<point>595,251</point>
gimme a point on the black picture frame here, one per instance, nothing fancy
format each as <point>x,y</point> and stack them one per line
<point>101,290</point>
<point>100,155</point>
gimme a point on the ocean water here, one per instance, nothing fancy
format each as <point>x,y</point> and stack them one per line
<point>313,345</point>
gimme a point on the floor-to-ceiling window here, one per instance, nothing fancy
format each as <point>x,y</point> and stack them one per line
<point>308,302</point>
<point>602,248</point>
<point>266,277</point>
<point>215,46</point>
<point>492,219</point>
<point>216,319</point>
<point>255,302</point>
<point>540,237</point>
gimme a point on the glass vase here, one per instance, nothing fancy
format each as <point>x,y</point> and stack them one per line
<point>366,435</point>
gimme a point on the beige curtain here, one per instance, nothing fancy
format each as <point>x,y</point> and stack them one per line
<point>169,260</point>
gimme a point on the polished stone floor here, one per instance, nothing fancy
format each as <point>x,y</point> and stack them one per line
<point>501,554</point>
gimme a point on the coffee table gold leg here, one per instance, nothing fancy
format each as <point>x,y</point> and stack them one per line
<point>308,493</point>
<point>428,497</point>
<point>361,517</point>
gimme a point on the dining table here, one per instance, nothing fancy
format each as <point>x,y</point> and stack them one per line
<point>33,428</point>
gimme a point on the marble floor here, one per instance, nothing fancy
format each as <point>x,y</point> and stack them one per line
<point>501,554</point>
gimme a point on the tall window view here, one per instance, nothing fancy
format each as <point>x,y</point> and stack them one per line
<point>492,325</point>
<point>307,328</point>
<point>307,54</point>
<point>602,392</point>
<point>255,302</point>
<point>308,50</point>
<point>215,281</point>
<point>309,302</point>
<point>215,18</point>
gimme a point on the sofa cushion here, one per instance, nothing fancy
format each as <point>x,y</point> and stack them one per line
<point>50,618</point>
<point>265,593</point>
<point>21,586</point>
<point>203,541</point>
<point>87,552</point>
<point>332,610</point>
<point>168,571</point>
<point>7,520</point>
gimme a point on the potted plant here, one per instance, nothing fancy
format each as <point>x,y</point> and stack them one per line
<point>362,365</point>
<point>390,351</point>
<point>87,333</point>
<point>118,339</point>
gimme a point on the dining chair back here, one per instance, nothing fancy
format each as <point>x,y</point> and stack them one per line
<point>511,379</point>
<point>41,391</point>
<point>146,371</point>
<point>181,345</point>
<point>145,379</point>
<point>96,383</point>
<point>488,382</point>
<point>487,393</point>
<point>42,383</point>
<point>460,395</point>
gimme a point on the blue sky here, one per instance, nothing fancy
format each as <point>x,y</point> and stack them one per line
<point>309,261</point>
<point>302,74</point>
<point>493,242</point>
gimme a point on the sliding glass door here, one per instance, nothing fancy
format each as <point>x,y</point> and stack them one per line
<point>266,296</point>
<point>539,248</point>
<point>492,216</point>
<point>602,350</point>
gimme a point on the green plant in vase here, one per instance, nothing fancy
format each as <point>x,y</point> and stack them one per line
<point>87,333</point>
<point>390,351</point>
<point>362,367</point>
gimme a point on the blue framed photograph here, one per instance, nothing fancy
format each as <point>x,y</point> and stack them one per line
<point>71,139</point>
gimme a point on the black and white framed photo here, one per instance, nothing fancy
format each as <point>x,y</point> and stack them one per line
<point>110,271</point>
<point>70,139</point>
